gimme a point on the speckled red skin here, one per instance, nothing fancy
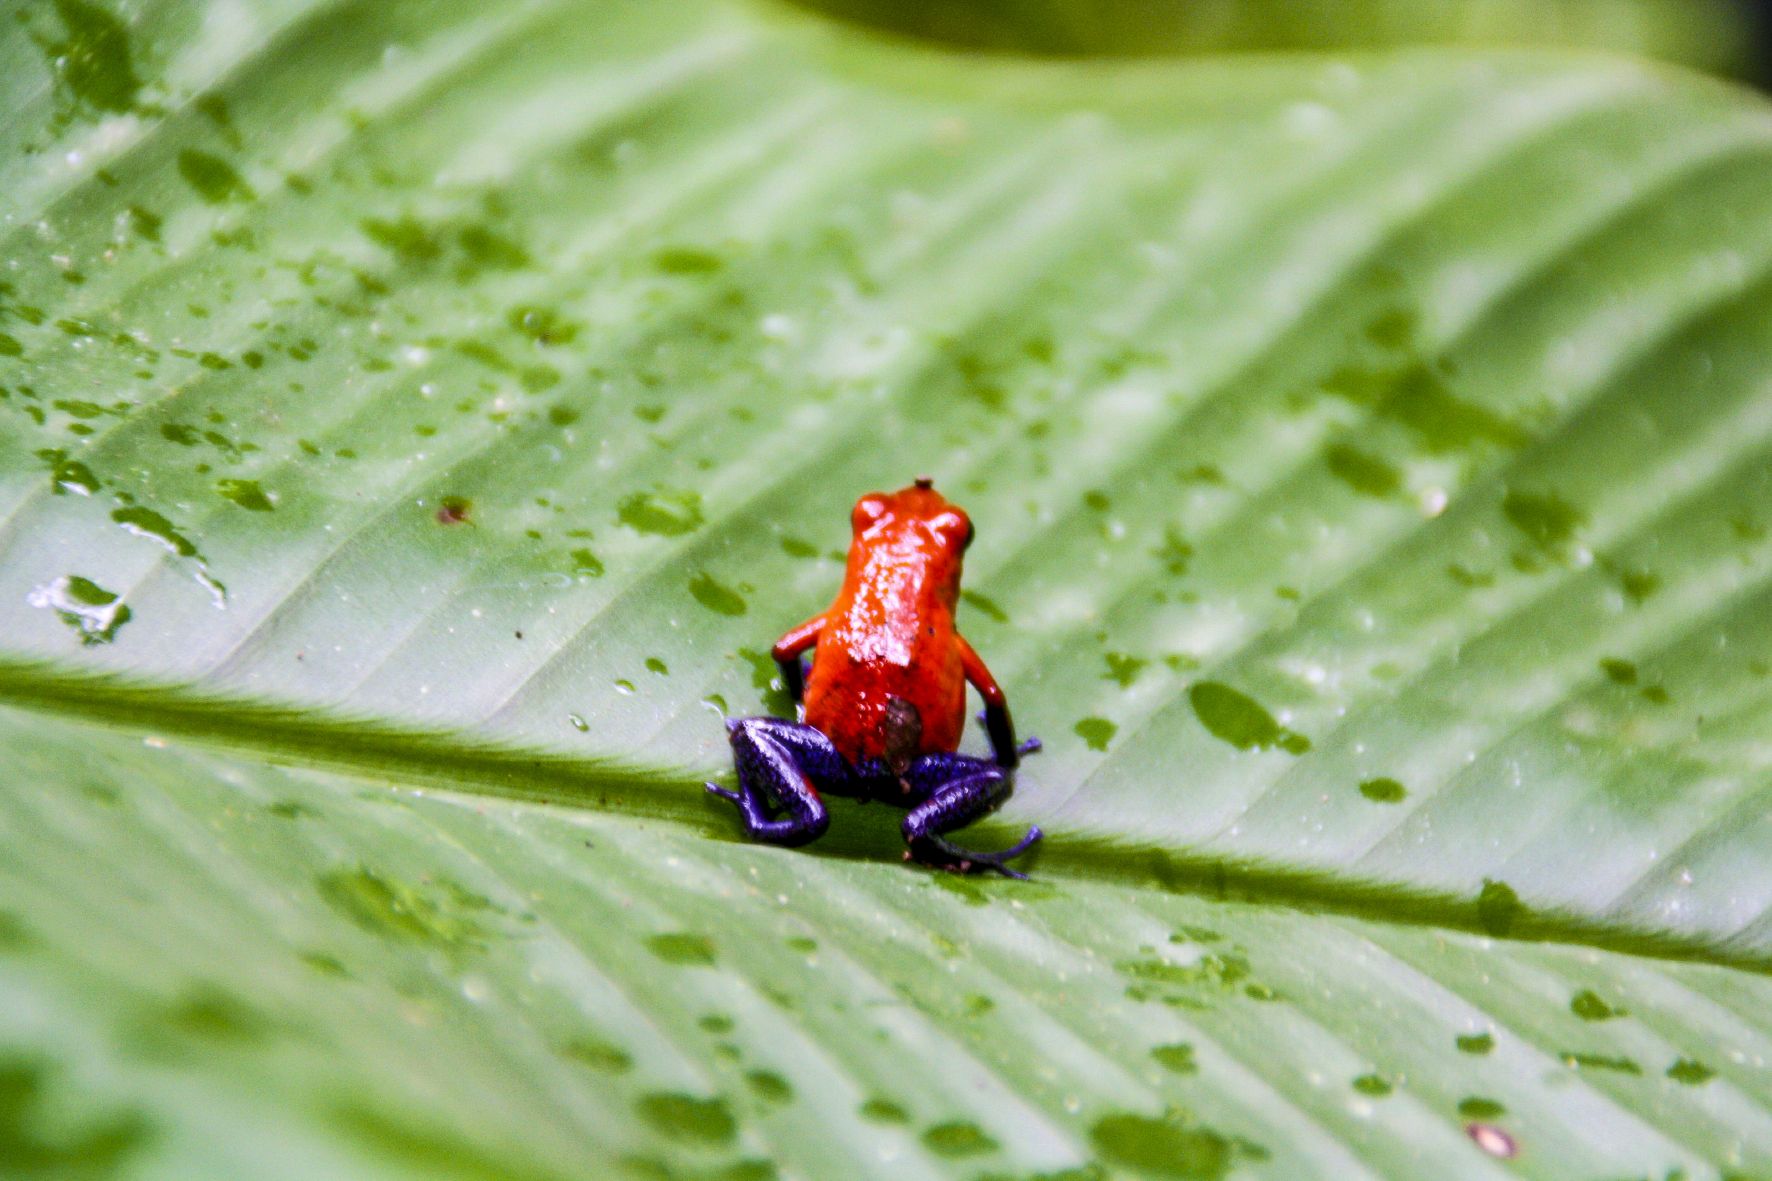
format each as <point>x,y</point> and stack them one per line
<point>890,632</point>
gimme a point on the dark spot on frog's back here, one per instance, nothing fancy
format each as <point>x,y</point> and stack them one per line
<point>901,729</point>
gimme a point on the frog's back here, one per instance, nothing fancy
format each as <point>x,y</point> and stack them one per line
<point>887,680</point>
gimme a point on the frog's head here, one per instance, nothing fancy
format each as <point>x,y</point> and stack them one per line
<point>918,515</point>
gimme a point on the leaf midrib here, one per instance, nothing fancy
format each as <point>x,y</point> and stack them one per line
<point>453,761</point>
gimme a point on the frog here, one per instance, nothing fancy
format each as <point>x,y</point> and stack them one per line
<point>880,709</point>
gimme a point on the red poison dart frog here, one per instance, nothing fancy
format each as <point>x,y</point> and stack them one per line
<point>883,704</point>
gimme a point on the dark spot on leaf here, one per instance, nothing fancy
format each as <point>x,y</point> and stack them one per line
<point>485,249</point>
<point>1589,1006</point>
<point>1691,1072</point>
<point>986,606</point>
<point>665,512</point>
<point>1240,720</point>
<point>77,1141</point>
<point>1619,672</point>
<point>1375,1085</point>
<point>1581,1061</point>
<point>1178,1057</point>
<point>291,810</point>
<point>245,493</point>
<point>209,1013</point>
<point>716,596</point>
<point>1096,732</point>
<point>1497,907</point>
<point>1477,1107</point>
<point>766,679</point>
<point>14,934</point>
<point>93,612</point>
<point>1170,1146</point>
<point>542,325</point>
<point>93,63</point>
<point>429,1150</point>
<point>214,178</point>
<point>1638,585</point>
<point>411,241</point>
<point>1419,399</point>
<point>769,1086</point>
<point>1547,520</point>
<point>145,522</point>
<point>597,1054</point>
<point>1365,473</point>
<point>68,475</point>
<point>687,260</point>
<point>1175,553</point>
<point>1393,330</point>
<point>1383,790</point>
<point>453,510</point>
<point>1122,668</point>
<point>958,1139</point>
<point>402,913</point>
<point>884,1111</point>
<point>686,1117</point>
<point>682,947</point>
<point>1478,1043</point>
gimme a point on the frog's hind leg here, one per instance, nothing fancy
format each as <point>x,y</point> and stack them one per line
<point>780,765</point>
<point>977,787</point>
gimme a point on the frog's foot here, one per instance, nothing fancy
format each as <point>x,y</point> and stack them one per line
<point>777,762</point>
<point>1030,746</point>
<point>937,853</point>
<point>957,804</point>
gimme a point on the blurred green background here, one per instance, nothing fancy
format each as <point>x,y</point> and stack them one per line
<point>1732,37</point>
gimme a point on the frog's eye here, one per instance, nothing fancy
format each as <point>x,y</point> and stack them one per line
<point>954,527</point>
<point>868,509</point>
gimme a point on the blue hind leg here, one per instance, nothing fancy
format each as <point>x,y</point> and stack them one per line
<point>780,767</point>
<point>960,790</point>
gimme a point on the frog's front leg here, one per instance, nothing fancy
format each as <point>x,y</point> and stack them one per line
<point>960,790</point>
<point>782,765</point>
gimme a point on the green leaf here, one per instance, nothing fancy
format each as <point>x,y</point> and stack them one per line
<point>418,422</point>
<point>203,955</point>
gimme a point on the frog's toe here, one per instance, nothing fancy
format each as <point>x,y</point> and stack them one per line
<point>1030,746</point>
<point>939,854</point>
<point>716,790</point>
